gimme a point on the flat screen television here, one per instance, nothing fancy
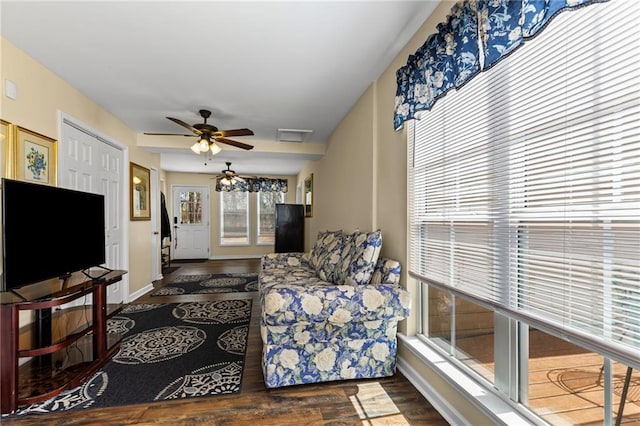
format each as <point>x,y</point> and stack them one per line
<point>49,232</point>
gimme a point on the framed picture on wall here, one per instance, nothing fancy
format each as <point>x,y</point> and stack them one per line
<point>308,196</point>
<point>140,192</point>
<point>5,151</point>
<point>34,156</point>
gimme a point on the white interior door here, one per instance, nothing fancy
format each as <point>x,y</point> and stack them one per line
<point>190,222</point>
<point>87,162</point>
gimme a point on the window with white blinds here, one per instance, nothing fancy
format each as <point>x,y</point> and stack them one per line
<point>234,218</point>
<point>524,185</point>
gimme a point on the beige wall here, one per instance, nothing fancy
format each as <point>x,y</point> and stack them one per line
<point>343,178</point>
<point>218,251</point>
<point>41,97</point>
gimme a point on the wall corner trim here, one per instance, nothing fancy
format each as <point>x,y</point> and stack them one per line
<point>139,293</point>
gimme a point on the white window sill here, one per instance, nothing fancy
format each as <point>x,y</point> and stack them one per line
<point>487,400</point>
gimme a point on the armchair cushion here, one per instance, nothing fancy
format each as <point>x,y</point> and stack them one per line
<point>284,260</point>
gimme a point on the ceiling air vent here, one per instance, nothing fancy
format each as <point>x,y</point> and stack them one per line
<point>293,135</point>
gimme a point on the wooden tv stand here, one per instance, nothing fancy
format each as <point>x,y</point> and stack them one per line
<point>63,347</point>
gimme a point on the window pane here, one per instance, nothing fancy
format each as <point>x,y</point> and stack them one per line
<point>566,382</point>
<point>439,308</point>
<point>235,218</point>
<point>267,215</point>
<point>626,382</point>
<point>191,207</point>
<point>474,337</point>
<point>468,325</point>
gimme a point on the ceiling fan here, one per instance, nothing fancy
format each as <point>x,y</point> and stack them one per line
<point>209,135</point>
<point>229,176</point>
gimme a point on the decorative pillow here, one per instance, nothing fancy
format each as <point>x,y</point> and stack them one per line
<point>364,255</point>
<point>346,257</point>
<point>322,247</point>
<point>330,261</point>
<point>316,249</point>
<point>386,271</point>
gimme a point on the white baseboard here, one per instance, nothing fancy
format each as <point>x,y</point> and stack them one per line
<point>133,296</point>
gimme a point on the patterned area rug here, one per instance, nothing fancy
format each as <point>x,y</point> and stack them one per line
<point>169,351</point>
<point>209,283</point>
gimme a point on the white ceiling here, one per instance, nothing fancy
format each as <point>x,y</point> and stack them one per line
<point>263,65</point>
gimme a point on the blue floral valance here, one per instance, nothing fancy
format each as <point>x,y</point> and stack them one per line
<point>476,35</point>
<point>252,185</point>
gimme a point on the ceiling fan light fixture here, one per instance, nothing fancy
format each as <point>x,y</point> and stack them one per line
<point>196,148</point>
<point>214,148</point>
<point>203,144</point>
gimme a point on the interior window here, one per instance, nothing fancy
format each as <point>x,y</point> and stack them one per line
<point>234,213</point>
<point>267,216</point>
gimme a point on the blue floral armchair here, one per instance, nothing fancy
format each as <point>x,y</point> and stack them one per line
<point>316,330</point>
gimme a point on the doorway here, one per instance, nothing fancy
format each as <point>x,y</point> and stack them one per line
<point>191,222</point>
<point>156,270</point>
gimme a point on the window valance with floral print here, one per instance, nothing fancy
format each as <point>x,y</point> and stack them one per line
<point>476,35</point>
<point>252,185</point>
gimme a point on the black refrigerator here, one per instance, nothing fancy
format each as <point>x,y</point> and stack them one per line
<point>289,228</point>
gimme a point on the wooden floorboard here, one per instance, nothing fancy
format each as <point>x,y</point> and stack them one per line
<point>388,401</point>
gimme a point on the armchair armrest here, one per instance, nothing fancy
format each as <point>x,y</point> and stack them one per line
<point>284,260</point>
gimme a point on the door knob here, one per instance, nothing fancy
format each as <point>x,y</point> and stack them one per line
<point>156,233</point>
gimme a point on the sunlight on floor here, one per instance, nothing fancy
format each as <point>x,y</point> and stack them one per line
<point>375,407</point>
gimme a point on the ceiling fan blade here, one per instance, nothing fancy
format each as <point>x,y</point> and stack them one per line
<point>169,134</point>
<point>234,143</point>
<point>233,132</point>
<point>183,124</point>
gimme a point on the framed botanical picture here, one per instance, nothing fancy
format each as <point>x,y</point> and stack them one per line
<point>140,193</point>
<point>34,156</point>
<point>308,196</point>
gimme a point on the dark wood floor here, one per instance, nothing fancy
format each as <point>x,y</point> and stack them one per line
<point>388,401</point>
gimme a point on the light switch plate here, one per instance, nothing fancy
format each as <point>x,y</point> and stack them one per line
<point>10,89</point>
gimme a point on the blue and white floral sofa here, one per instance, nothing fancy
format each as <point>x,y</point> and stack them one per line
<point>331,314</point>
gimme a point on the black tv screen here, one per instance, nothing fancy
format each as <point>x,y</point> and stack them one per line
<point>49,232</point>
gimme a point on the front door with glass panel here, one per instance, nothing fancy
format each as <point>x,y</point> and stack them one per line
<point>190,222</point>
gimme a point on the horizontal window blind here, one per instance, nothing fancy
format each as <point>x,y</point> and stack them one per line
<point>524,185</point>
